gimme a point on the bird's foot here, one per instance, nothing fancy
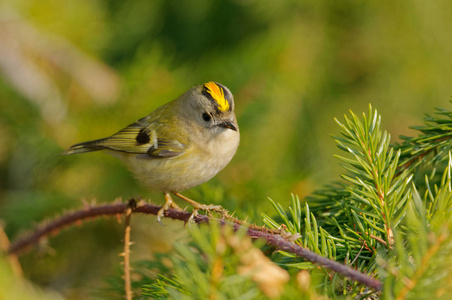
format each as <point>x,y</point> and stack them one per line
<point>168,204</point>
<point>198,206</point>
<point>191,219</point>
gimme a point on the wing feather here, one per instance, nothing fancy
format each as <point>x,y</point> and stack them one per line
<point>138,138</point>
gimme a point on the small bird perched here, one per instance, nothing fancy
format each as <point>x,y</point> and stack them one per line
<point>180,145</point>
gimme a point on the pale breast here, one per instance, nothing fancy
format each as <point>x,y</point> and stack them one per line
<point>194,167</point>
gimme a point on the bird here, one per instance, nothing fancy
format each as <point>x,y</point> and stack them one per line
<point>179,145</point>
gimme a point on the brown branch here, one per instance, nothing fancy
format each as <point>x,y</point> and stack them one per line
<point>280,242</point>
<point>53,227</point>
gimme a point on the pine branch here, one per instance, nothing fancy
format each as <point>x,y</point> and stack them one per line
<point>420,263</point>
<point>373,183</point>
<point>278,241</point>
<point>430,147</point>
<point>435,138</point>
<point>424,264</point>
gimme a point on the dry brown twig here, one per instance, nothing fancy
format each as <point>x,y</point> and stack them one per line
<point>126,253</point>
<point>279,239</point>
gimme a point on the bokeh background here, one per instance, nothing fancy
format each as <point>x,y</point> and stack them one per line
<point>72,71</point>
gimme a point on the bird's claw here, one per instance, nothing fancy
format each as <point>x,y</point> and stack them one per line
<point>168,204</point>
<point>191,219</point>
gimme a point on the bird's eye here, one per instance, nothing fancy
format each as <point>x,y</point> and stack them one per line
<point>206,117</point>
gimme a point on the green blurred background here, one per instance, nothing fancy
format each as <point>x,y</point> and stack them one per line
<point>72,71</point>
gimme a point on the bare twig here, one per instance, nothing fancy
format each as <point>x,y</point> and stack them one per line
<point>127,243</point>
<point>281,242</point>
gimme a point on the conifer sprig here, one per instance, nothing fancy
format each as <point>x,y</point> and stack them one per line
<point>434,141</point>
<point>421,263</point>
<point>378,204</point>
<point>376,193</point>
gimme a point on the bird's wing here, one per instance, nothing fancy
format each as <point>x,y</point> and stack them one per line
<point>137,138</point>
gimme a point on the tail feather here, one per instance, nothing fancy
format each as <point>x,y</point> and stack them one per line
<point>85,147</point>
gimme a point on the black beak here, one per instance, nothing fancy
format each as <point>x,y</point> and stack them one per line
<point>228,124</point>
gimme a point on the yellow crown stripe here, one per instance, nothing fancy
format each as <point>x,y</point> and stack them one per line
<point>217,94</point>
